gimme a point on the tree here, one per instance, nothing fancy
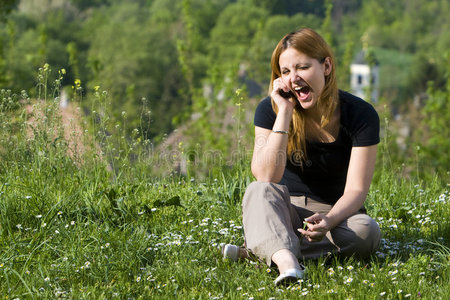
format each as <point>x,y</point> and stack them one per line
<point>267,37</point>
<point>230,41</point>
<point>133,55</point>
<point>436,118</point>
<point>6,6</point>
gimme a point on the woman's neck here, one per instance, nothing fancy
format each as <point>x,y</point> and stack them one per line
<point>312,115</point>
<point>320,130</point>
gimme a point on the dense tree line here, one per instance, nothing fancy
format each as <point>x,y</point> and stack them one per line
<point>171,52</point>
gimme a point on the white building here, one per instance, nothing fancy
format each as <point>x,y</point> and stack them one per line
<point>363,78</point>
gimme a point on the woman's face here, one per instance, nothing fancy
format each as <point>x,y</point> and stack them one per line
<point>305,76</point>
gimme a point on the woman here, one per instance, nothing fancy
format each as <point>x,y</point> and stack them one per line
<point>314,157</point>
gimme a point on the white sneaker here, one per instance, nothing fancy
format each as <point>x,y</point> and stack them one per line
<point>290,276</point>
<point>230,252</point>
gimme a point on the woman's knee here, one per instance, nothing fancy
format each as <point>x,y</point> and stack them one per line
<point>367,234</point>
<point>268,191</point>
<point>266,187</point>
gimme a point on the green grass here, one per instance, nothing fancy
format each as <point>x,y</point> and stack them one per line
<point>72,228</point>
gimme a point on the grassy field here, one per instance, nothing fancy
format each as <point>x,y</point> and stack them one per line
<point>72,226</point>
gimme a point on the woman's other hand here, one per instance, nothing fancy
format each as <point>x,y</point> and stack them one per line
<point>317,227</point>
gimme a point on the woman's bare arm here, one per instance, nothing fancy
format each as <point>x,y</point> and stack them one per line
<point>269,154</point>
<point>359,177</point>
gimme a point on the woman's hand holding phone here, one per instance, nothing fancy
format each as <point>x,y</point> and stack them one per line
<point>284,99</point>
<point>286,95</point>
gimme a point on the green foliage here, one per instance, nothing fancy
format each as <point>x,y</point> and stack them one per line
<point>327,30</point>
<point>136,66</point>
<point>8,101</point>
<point>86,4</point>
<point>267,38</point>
<point>231,38</point>
<point>413,27</point>
<point>5,8</point>
<point>437,119</point>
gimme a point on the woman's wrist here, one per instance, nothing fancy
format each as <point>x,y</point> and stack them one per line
<point>286,110</point>
<point>333,220</point>
<point>284,117</point>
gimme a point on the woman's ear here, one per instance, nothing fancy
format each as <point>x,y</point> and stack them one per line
<point>327,66</point>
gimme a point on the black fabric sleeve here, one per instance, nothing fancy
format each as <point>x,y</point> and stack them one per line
<point>364,120</point>
<point>368,131</point>
<point>264,114</point>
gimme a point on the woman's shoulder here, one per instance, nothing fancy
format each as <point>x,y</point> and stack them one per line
<point>359,119</point>
<point>352,103</point>
<point>266,103</point>
<point>355,109</point>
<point>264,114</point>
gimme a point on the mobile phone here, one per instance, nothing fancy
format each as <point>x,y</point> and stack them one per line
<point>286,95</point>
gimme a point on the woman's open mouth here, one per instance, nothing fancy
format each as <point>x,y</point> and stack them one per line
<point>302,92</point>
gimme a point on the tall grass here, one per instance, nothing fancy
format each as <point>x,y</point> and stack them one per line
<point>97,224</point>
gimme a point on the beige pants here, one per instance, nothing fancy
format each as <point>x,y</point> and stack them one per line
<point>271,218</point>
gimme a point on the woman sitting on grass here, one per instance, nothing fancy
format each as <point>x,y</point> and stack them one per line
<point>314,157</point>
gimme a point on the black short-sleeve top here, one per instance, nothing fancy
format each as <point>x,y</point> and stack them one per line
<point>323,175</point>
